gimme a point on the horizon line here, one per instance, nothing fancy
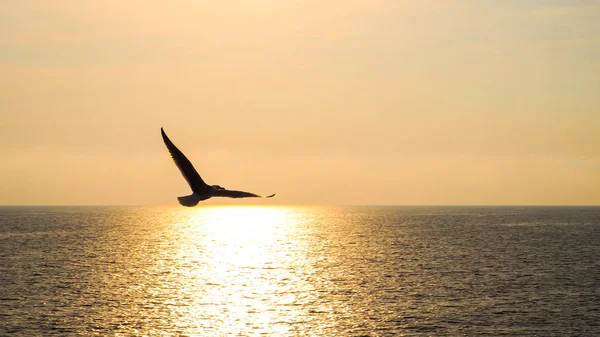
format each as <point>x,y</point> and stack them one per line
<point>304,204</point>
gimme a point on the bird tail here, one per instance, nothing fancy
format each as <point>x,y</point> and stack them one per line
<point>189,200</point>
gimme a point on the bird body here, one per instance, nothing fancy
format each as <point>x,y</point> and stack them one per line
<point>200,189</point>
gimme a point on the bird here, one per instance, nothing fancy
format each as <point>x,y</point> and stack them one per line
<point>200,189</point>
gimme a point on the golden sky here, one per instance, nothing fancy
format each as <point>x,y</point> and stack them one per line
<point>336,102</point>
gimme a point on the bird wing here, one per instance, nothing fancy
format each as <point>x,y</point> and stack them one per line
<point>187,169</point>
<point>238,194</point>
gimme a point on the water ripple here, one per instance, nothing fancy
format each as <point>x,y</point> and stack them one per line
<point>318,271</point>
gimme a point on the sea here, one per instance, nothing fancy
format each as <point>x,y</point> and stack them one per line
<point>300,271</point>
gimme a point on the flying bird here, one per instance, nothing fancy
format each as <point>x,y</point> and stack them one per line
<point>200,190</point>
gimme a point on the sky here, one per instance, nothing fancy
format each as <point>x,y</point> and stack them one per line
<point>322,102</point>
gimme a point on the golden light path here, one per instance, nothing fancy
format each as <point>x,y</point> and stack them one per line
<point>238,269</point>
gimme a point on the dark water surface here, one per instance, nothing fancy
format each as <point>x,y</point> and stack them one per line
<point>306,271</point>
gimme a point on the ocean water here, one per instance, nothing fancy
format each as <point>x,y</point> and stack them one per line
<point>299,271</point>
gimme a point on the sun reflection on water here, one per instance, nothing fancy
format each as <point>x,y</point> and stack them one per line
<point>238,270</point>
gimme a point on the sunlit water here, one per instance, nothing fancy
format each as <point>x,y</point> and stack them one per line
<point>299,271</point>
